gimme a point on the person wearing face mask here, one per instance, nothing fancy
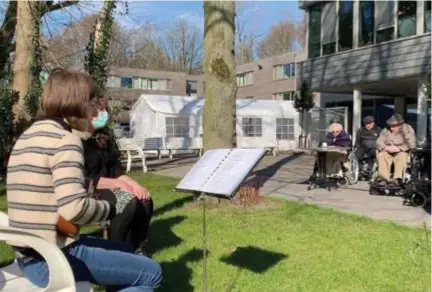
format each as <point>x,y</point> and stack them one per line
<point>133,202</point>
<point>46,185</point>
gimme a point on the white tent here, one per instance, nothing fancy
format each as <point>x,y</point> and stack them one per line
<point>181,116</point>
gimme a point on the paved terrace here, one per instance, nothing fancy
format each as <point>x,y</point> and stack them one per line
<point>285,176</point>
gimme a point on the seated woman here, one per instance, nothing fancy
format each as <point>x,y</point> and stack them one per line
<point>45,186</point>
<point>133,203</point>
<point>334,160</point>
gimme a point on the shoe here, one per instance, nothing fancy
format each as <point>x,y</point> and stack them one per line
<point>394,183</point>
<point>143,249</point>
<point>382,183</point>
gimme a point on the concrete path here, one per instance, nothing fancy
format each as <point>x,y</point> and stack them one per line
<point>285,176</point>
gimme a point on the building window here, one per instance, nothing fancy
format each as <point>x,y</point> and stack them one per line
<point>152,84</point>
<point>285,129</point>
<point>427,16</point>
<point>367,23</point>
<point>329,28</point>
<point>385,21</point>
<point>177,127</point>
<point>191,88</point>
<point>126,82</point>
<point>407,18</point>
<point>113,81</point>
<point>289,96</point>
<point>345,25</point>
<point>252,127</point>
<point>314,41</point>
<point>284,71</point>
<point>244,79</point>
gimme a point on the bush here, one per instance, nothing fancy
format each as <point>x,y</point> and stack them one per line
<point>8,99</point>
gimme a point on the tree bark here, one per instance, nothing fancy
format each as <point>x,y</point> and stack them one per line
<point>23,55</point>
<point>219,74</point>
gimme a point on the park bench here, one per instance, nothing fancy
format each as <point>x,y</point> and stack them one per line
<point>154,144</point>
<point>132,149</point>
<point>184,143</point>
<point>61,277</point>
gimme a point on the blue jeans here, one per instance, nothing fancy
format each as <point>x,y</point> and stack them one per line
<point>103,262</point>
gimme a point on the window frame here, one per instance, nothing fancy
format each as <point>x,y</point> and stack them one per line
<point>316,45</point>
<point>177,127</point>
<point>407,17</point>
<point>371,38</point>
<point>252,126</point>
<point>281,95</point>
<point>244,76</point>
<point>285,129</point>
<point>427,14</point>
<point>123,78</point>
<point>279,71</point>
<point>340,24</point>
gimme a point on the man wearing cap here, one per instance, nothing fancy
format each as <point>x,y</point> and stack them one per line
<point>394,144</point>
<point>366,141</point>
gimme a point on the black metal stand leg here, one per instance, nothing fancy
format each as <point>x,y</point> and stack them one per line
<point>204,243</point>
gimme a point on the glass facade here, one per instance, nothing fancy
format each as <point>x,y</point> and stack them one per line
<point>345,25</point>
<point>314,41</point>
<point>367,23</point>
<point>407,18</point>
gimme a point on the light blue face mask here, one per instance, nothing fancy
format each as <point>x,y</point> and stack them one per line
<point>101,120</point>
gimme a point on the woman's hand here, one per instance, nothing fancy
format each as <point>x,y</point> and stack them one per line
<point>140,192</point>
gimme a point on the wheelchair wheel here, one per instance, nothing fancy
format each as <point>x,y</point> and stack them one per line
<point>419,200</point>
<point>353,172</point>
<point>343,182</point>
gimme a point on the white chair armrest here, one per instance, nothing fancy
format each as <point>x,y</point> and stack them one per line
<point>61,276</point>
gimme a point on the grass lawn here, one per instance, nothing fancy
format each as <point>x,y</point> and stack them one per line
<point>280,246</point>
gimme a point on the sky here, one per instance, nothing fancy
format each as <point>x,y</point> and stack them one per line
<point>260,15</point>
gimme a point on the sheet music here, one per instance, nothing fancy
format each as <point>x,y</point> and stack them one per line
<point>195,179</point>
<point>232,171</point>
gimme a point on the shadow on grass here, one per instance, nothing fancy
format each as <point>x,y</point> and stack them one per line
<point>253,259</point>
<point>161,236</point>
<point>179,203</point>
<point>177,274</point>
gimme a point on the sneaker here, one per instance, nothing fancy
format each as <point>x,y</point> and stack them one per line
<point>382,183</point>
<point>143,249</point>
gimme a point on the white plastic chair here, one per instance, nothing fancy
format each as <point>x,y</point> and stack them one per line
<point>133,149</point>
<point>61,277</point>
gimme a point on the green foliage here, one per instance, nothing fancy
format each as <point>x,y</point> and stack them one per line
<point>303,101</point>
<point>96,60</point>
<point>8,99</point>
<point>32,97</point>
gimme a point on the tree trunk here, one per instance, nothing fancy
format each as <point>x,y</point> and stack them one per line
<point>23,55</point>
<point>219,73</point>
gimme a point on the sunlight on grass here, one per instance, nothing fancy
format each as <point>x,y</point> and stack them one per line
<point>280,246</point>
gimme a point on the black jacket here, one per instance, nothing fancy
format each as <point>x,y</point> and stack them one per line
<point>367,138</point>
<point>100,162</point>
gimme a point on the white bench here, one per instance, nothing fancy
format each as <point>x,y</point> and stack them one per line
<point>61,277</point>
<point>257,142</point>
<point>134,150</point>
<point>154,144</point>
<point>184,143</point>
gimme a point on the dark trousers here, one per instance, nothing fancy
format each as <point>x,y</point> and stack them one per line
<point>370,156</point>
<point>130,226</point>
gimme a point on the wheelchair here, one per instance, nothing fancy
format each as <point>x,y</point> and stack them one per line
<point>418,188</point>
<point>363,173</point>
<point>343,178</point>
<point>415,187</point>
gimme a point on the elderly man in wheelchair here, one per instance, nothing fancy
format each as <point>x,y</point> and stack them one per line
<point>393,146</point>
<point>333,159</point>
<point>365,146</point>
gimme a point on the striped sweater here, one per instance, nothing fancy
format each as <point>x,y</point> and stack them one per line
<point>45,179</point>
